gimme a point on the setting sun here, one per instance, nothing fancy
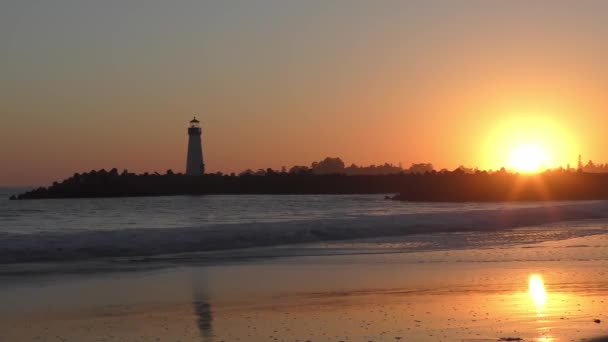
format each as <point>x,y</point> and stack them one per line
<point>527,158</point>
<point>529,143</point>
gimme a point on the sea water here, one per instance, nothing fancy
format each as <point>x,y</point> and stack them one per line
<point>241,225</point>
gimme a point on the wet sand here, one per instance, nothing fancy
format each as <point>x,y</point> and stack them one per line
<point>448,295</point>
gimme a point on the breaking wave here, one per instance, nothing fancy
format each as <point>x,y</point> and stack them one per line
<point>78,245</point>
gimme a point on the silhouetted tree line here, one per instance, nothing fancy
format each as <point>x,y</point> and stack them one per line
<point>327,177</point>
<point>591,167</point>
<point>458,186</point>
<point>329,166</point>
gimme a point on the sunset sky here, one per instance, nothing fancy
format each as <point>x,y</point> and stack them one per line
<point>99,84</point>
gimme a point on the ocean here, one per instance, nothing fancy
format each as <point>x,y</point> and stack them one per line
<point>216,228</point>
<point>289,268</point>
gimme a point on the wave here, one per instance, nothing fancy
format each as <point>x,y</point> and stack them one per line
<point>54,246</point>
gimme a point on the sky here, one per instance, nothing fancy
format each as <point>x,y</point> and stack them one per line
<point>100,84</point>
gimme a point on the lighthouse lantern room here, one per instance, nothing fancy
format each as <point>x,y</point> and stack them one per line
<point>194,161</point>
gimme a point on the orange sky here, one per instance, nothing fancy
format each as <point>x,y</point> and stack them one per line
<point>92,85</point>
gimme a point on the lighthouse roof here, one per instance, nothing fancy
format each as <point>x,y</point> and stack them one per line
<point>194,120</point>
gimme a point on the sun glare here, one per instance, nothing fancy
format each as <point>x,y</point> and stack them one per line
<point>529,144</point>
<point>537,290</point>
<point>527,158</point>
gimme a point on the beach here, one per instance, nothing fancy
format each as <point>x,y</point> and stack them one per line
<point>459,294</point>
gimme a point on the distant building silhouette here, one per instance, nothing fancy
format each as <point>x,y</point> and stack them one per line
<point>194,163</point>
<point>328,166</point>
<point>421,168</point>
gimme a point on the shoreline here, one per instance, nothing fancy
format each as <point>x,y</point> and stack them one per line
<point>457,295</point>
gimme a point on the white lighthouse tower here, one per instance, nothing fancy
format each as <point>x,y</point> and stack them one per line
<point>194,163</point>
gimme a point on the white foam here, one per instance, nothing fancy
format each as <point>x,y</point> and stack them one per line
<point>47,246</point>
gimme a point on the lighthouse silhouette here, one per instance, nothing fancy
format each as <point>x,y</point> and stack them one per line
<point>194,162</point>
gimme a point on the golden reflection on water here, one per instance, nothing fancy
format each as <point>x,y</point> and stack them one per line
<point>536,287</point>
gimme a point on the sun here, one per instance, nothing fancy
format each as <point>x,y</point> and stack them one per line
<point>527,158</point>
<point>529,144</point>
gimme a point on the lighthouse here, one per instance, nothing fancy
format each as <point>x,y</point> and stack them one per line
<point>194,162</point>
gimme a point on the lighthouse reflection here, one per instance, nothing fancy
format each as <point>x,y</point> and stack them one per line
<point>202,310</point>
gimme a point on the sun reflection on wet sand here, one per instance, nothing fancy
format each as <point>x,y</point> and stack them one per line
<point>538,294</point>
<point>537,290</point>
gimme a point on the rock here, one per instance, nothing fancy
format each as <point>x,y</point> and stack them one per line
<point>598,321</point>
